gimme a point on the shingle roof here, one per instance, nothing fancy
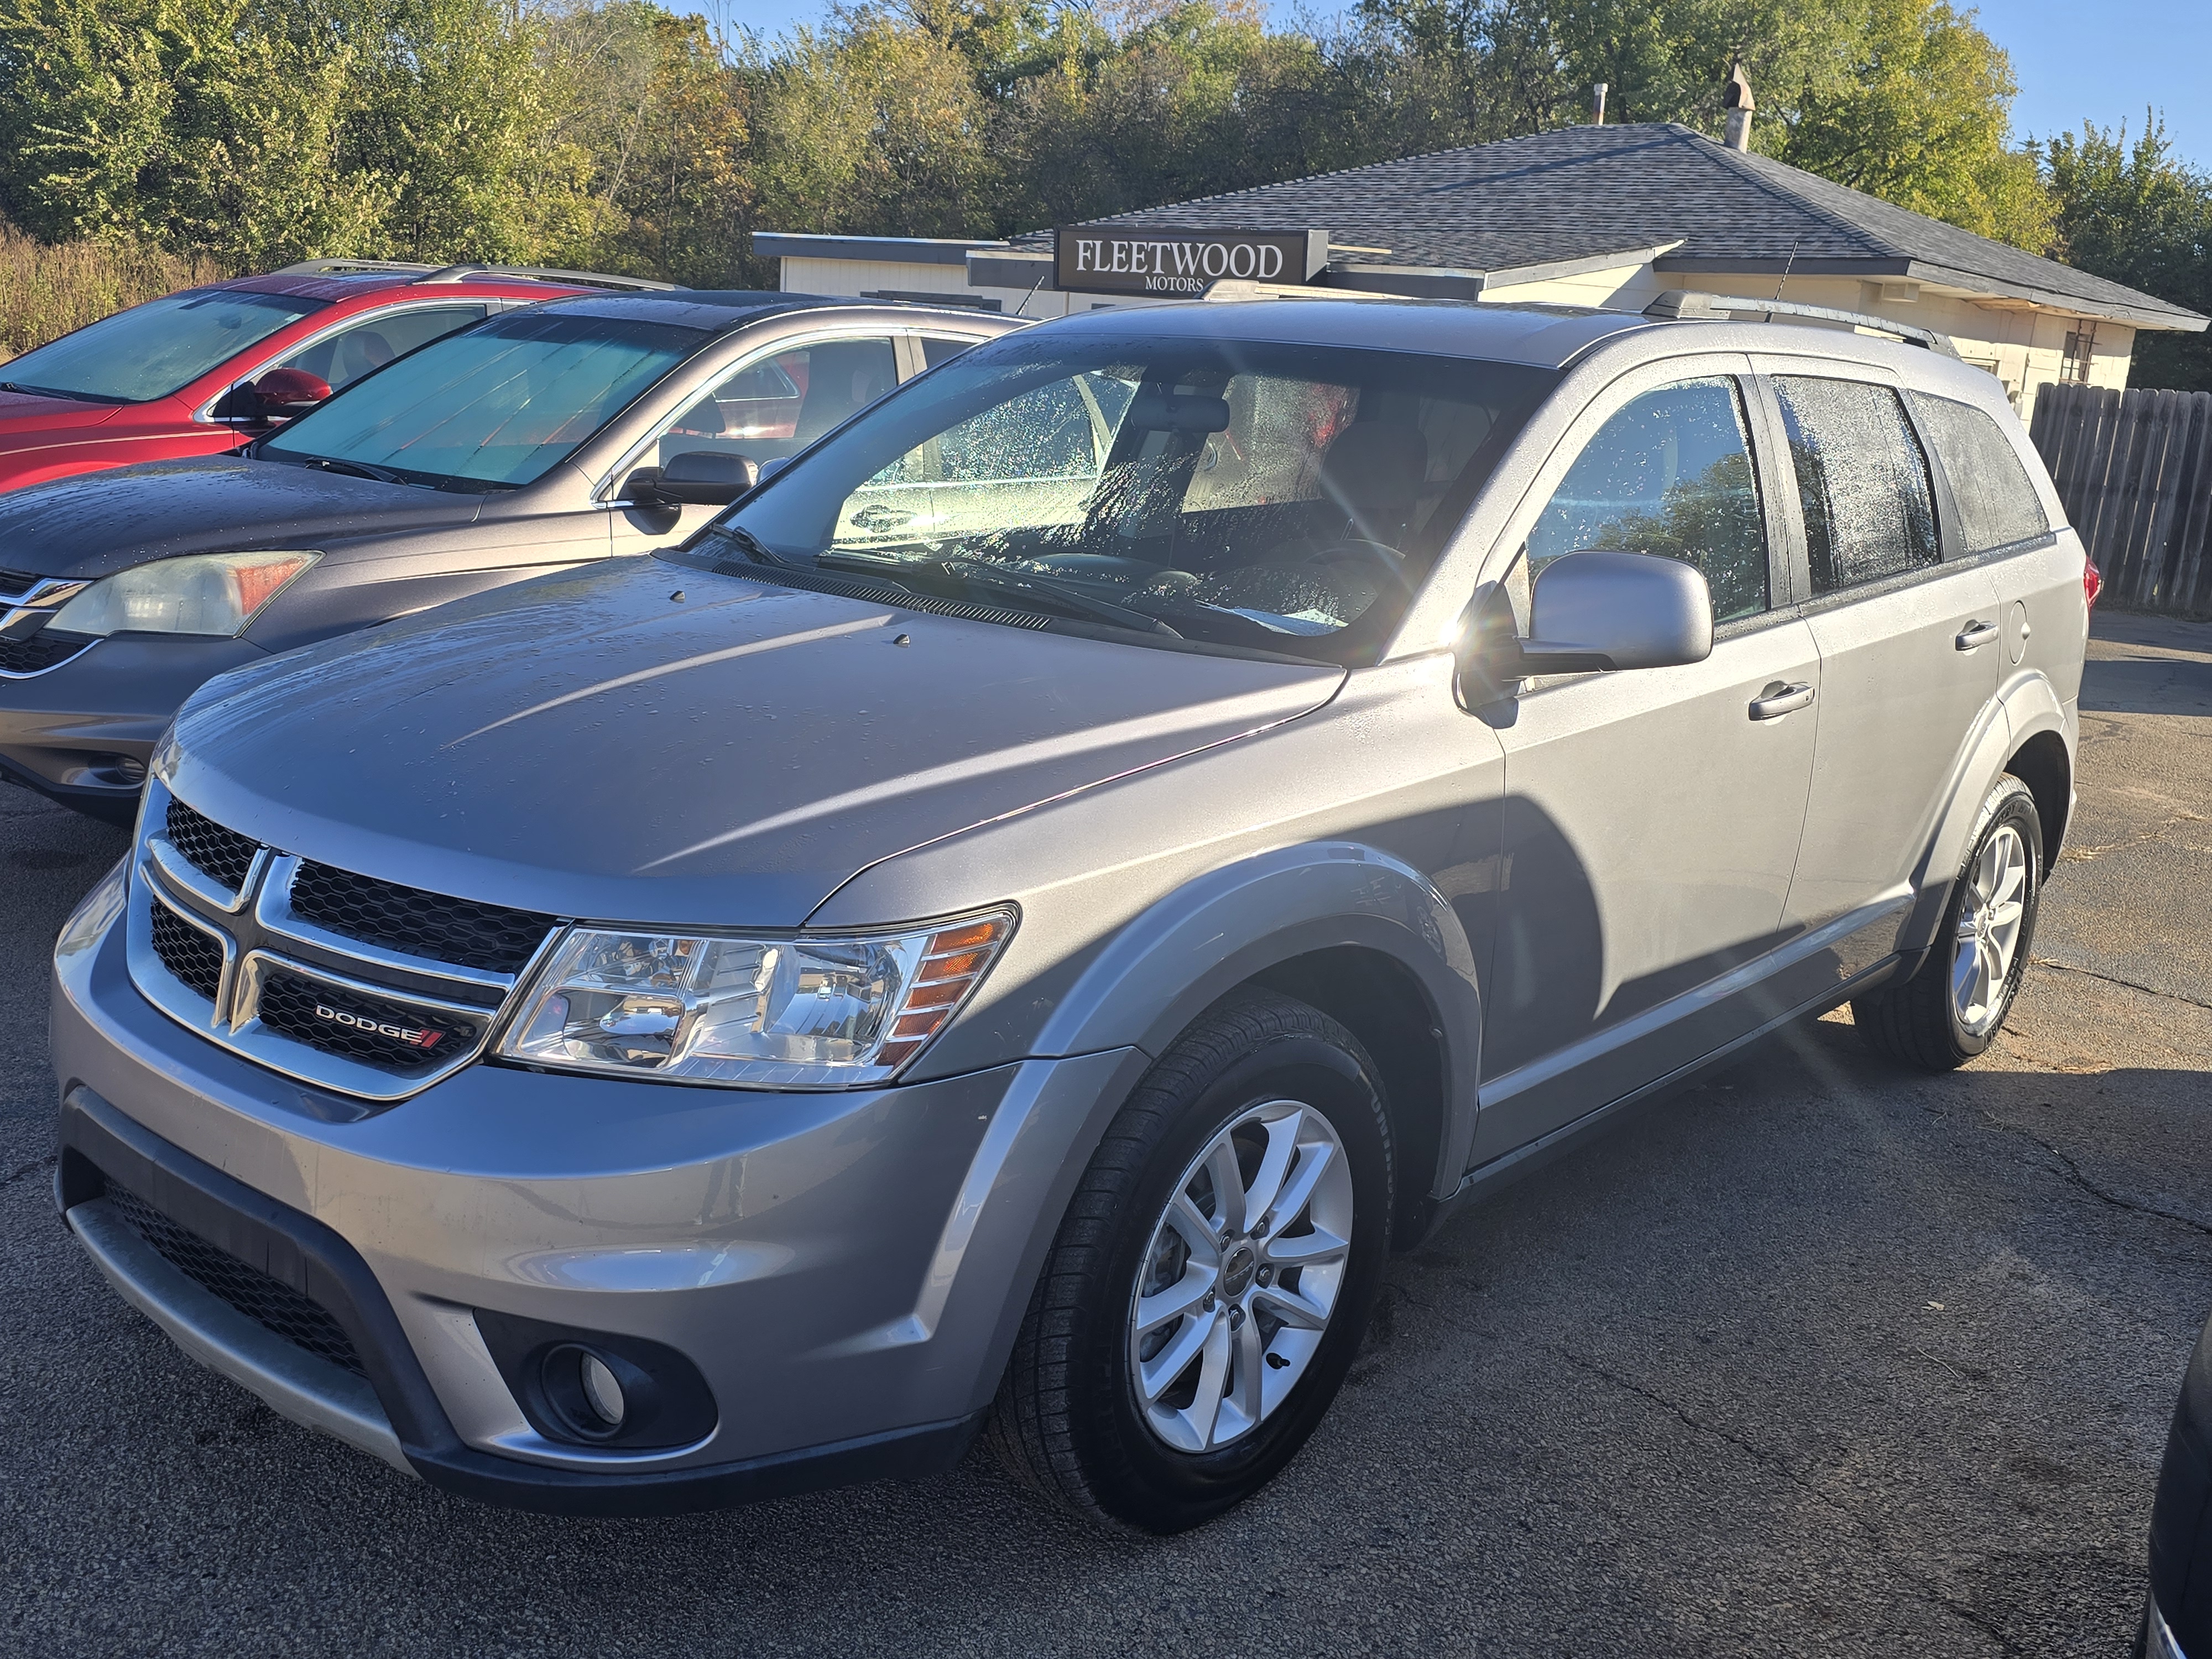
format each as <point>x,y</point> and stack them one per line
<point>1577,192</point>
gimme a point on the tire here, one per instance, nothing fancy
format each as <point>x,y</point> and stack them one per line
<point>1935,1020</point>
<point>1069,1422</point>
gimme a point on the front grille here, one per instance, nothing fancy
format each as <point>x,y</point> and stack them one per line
<point>339,1023</point>
<point>270,1304</point>
<point>194,957</point>
<point>43,650</point>
<point>417,923</point>
<point>14,584</point>
<point>220,854</point>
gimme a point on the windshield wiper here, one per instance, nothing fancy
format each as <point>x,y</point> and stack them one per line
<point>57,392</point>
<point>1015,584</point>
<point>752,545</point>
<point>356,469</point>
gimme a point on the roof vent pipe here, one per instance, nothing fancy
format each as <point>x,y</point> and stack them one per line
<point>1597,105</point>
<point>1736,99</point>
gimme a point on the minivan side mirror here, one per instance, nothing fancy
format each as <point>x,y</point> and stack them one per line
<point>1591,610</point>
<point>706,478</point>
<point>1602,609</point>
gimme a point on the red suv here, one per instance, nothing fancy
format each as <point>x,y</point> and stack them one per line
<point>201,371</point>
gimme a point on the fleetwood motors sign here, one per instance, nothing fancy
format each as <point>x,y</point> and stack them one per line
<point>1147,259</point>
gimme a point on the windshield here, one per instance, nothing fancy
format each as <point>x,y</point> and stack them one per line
<point>1286,498</point>
<point>494,407</point>
<point>154,350</point>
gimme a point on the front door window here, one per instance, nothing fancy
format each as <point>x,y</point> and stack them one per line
<point>1670,473</point>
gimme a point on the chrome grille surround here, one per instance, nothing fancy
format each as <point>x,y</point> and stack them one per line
<point>27,610</point>
<point>261,934</point>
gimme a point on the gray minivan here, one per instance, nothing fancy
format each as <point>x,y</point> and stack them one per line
<point>1013,922</point>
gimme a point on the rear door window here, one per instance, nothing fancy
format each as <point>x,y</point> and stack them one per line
<point>941,349</point>
<point>1669,473</point>
<point>1869,507</point>
<point>1997,502</point>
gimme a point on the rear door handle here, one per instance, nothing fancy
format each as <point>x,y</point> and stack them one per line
<point>1975,635</point>
<point>1777,700</point>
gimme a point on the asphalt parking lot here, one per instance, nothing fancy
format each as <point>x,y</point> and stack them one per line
<point>1818,1357</point>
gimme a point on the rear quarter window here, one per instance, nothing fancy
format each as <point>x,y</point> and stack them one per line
<point>1997,501</point>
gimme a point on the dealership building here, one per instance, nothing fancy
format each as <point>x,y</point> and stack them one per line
<point>1609,216</point>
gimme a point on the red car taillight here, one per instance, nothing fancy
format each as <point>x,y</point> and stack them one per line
<point>2093,583</point>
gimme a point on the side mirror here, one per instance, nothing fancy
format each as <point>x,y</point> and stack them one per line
<point>1610,610</point>
<point>290,391</point>
<point>769,469</point>
<point>706,478</point>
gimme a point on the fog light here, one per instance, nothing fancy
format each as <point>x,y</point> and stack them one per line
<point>602,1393</point>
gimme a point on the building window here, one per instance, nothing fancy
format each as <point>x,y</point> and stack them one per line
<point>2081,347</point>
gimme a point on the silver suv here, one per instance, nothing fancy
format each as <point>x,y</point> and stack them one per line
<point>1014,920</point>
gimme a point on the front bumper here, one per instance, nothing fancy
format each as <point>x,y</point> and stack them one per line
<point>846,1271</point>
<point>83,731</point>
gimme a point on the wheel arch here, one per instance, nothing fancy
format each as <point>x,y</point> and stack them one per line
<point>2045,765</point>
<point>1349,928</point>
<point>2026,725</point>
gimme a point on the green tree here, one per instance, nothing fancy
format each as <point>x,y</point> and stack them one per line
<point>2134,213</point>
<point>1917,110</point>
<point>180,123</point>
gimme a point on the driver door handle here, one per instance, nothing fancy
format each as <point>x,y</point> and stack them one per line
<point>1975,636</point>
<point>1777,700</point>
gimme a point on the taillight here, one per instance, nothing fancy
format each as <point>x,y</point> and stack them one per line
<point>2093,583</point>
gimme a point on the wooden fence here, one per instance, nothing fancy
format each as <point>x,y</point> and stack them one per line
<point>2135,471</point>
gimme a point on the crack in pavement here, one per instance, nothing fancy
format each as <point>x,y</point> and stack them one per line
<point>1772,1460</point>
<point>2111,979</point>
<point>1966,1615</point>
<point>2073,1172</point>
<point>16,1174</point>
<point>2084,854</point>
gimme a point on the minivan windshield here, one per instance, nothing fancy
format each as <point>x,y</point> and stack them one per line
<point>1289,498</point>
<point>493,407</point>
<point>154,350</point>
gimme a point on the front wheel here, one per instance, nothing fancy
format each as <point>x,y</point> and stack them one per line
<point>1948,1012</point>
<point>1210,1284</point>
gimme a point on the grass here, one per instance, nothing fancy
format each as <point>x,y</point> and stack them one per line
<point>47,290</point>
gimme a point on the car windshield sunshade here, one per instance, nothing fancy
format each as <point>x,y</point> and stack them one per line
<point>493,407</point>
<point>1287,498</point>
<point>154,350</point>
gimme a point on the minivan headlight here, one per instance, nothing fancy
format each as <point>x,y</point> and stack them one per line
<point>205,594</point>
<point>805,1012</point>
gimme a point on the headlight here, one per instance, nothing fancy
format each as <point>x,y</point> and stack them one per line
<point>207,593</point>
<point>802,1012</point>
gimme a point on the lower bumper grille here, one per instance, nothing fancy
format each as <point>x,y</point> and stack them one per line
<point>42,651</point>
<point>392,1035</point>
<point>271,1304</point>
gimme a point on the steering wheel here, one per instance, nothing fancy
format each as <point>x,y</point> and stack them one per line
<point>1383,561</point>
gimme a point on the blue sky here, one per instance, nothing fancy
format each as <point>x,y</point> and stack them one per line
<point>2103,63</point>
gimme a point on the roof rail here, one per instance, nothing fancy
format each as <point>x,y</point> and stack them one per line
<point>545,273</point>
<point>1688,305</point>
<point>339,267</point>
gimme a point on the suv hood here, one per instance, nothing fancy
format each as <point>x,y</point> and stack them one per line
<point>98,523</point>
<point>654,743</point>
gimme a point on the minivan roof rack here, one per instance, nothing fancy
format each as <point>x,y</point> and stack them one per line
<point>1688,305</point>
<point>339,267</point>
<point>425,272</point>
<point>548,273</point>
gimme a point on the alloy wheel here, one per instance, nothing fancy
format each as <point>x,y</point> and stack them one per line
<point>1240,1276</point>
<point>1988,930</point>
